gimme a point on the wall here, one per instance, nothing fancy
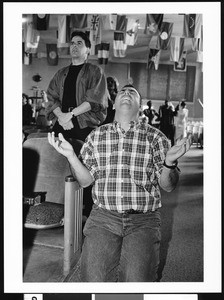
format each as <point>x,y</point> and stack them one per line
<point>40,66</point>
<point>119,70</point>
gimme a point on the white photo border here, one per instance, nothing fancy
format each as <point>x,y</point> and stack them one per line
<point>12,47</point>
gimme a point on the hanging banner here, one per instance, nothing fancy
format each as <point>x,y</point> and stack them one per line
<point>181,65</point>
<point>119,46</point>
<point>31,37</point>
<point>63,34</point>
<point>27,56</point>
<point>153,59</point>
<point>109,21</point>
<point>103,53</point>
<point>192,25</point>
<point>121,23</point>
<point>153,23</point>
<point>176,48</point>
<point>79,21</point>
<point>52,54</point>
<point>163,40</point>
<point>132,32</point>
<point>95,33</point>
<point>41,21</point>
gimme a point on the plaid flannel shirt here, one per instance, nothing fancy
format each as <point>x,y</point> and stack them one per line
<point>125,166</point>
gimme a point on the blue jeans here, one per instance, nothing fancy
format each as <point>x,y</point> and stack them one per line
<point>120,247</point>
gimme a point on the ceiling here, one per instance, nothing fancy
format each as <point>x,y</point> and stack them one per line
<point>138,52</point>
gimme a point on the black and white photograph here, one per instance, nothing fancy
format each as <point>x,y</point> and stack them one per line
<point>114,186</point>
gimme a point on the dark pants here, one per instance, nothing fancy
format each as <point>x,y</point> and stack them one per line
<point>169,131</point>
<point>75,133</point>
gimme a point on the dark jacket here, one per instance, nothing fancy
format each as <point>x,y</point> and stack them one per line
<point>91,86</point>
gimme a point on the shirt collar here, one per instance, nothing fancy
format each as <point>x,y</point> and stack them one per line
<point>133,124</point>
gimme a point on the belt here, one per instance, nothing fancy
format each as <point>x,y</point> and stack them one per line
<point>133,211</point>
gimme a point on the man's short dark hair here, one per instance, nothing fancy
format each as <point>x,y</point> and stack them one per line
<point>83,35</point>
<point>131,86</point>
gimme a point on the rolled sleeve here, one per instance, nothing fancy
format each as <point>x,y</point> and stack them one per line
<point>161,146</point>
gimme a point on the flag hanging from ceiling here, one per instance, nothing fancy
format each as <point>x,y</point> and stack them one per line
<point>63,34</point>
<point>95,33</point>
<point>176,48</point>
<point>197,46</point>
<point>79,21</point>
<point>109,21</point>
<point>119,46</point>
<point>103,53</point>
<point>181,65</point>
<point>200,46</point>
<point>199,56</point>
<point>153,59</point>
<point>192,25</point>
<point>52,54</point>
<point>153,23</point>
<point>32,38</point>
<point>197,43</point>
<point>27,56</point>
<point>132,32</point>
<point>163,40</point>
<point>41,21</point>
<point>121,23</point>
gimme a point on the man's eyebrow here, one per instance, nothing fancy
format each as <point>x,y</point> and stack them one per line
<point>130,89</point>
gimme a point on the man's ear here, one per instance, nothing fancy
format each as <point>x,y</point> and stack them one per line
<point>88,51</point>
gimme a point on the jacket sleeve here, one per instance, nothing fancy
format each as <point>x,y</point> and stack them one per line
<point>53,96</point>
<point>97,93</point>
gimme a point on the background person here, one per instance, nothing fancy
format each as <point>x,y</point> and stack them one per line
<point>77,94</point>
<point>77,98</point>
<point>151,113</point>
<point>27,110</point>
<point>181,121</point>
<point>166,117</point>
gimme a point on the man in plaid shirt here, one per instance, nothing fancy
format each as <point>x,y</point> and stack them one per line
<point>126,162</point>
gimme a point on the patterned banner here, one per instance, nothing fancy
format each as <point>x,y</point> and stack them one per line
<point>192,25</point>
<point>153,23</point>
<point>95,33</point>
<point>41,21</point>
<point>132,32</point>
<point>52,54</point>
<point>153,59</point>
<point>176,48</point>
<point>163,40</point>
<point>121,23</point>
<point>119,46</point>
<point>103,53</point>
<point>79,21</point>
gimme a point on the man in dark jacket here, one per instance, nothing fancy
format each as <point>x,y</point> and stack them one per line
<point>77,98</point>
<point>166,117</point>
<point>77,94</point>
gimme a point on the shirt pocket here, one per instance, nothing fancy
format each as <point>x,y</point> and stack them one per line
<point>140,171</point>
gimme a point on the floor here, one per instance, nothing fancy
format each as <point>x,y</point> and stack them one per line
<point>182,234</point>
